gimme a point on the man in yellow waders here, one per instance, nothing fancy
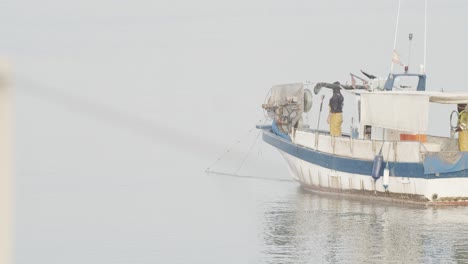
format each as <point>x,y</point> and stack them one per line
<point>335,118</point>
<point>462,128</point>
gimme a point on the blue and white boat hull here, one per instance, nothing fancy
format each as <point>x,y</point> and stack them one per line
<point>331,169</point>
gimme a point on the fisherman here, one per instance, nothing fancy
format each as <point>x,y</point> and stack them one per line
<point>335,118</point>
<point>462,127</point>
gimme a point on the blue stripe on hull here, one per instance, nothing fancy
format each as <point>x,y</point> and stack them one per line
<point>350,165</point>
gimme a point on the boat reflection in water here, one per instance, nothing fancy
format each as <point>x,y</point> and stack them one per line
<point>316,228</point>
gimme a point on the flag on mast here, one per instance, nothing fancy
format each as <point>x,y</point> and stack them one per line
<point>353,81</point>
<point>396,58</point>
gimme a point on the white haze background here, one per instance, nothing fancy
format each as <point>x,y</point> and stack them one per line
<point>121,105</point>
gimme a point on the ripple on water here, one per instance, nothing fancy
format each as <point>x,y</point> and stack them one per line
<point>301,227</point>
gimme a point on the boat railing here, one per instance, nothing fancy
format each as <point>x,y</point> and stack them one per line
<point>447,144</point>
<point>322,141</point>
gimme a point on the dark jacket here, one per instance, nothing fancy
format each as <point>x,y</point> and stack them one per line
<point>336,103</point>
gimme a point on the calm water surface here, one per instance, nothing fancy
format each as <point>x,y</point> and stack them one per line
<point>306,228</point>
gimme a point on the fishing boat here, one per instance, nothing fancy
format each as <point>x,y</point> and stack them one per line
<point>388,152</point>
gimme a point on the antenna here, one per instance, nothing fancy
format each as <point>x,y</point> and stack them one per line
<point>396,32</point>
<point>410,37</point>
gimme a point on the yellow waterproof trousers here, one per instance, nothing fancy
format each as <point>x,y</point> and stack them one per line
<point>463,140</point>
<point>336,119</point>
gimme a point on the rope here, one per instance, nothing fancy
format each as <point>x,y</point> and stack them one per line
<point>248,153</point>
<point>228,149</point>
<point>235,173</point>
<point>248,176</point>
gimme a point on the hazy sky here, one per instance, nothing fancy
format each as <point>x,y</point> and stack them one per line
<point>212,62</point>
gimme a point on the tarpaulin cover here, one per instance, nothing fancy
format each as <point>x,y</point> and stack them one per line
<point>398,111</point>
<point>281,93</point>
<point>404,111</point>
<point>445,162</point>
<point>286,102</point>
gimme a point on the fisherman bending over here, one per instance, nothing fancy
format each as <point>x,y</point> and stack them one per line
<point>335,118</point>
<point>462,127</point>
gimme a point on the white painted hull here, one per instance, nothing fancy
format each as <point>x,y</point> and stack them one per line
<point>431,191</point>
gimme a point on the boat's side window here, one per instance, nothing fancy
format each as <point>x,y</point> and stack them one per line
<point>367,132</point>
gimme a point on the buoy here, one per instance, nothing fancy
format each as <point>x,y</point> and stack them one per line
<point>377,167</point>
<point>386,177</point>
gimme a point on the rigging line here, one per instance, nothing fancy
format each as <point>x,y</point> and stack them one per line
<point>248,176</point>
<point>248,153</point>
<point>425,33</point>
<point>268,93</point>
<point>396,33</point>
<point>228,149</point>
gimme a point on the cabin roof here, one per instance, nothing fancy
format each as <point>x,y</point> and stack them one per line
<point>433,97</point>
